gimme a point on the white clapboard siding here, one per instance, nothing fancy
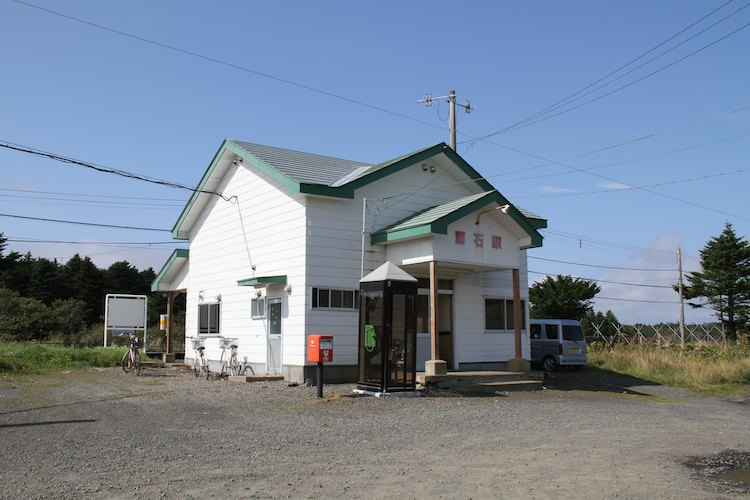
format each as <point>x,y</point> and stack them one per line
<point>269,233</point>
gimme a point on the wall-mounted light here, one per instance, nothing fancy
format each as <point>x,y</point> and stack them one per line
<point>201,295</point>
<point>433,169</point>
<point>258,293</point>
<point>218,297</point>
<point>288,289</point>
<point>502,208</point>
<point>424,167</point>
<point>237,161</point>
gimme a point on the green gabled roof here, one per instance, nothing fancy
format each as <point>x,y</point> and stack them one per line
<point>537,221</point>
<point>435,220</point>
<point>389,167</point>
<point>308,173</point>
<point>303,168</point>
<point>178,258</point>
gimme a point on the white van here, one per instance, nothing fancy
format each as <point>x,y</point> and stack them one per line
<point>557,342</point>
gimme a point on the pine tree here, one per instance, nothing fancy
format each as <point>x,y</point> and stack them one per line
<point>564,298</point>
<point>723,284</point>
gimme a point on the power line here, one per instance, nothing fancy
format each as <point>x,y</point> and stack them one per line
<point>602,267</point>
<point>98,202</point>
<point>79,223</point>
<point>107,196</point>
<point>637,300</point>
<point>97,243</point>
<point>578,237</point>
<point>557,106</point>
<point>627,142</point>
<point>230,65</point>
<point>526,121</point>
<point>627,188</point>
<point>99,168</point>
<point>596,280</point>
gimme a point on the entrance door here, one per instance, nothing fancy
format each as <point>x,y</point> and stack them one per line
<point>445,327</point>
<point>274,337</point>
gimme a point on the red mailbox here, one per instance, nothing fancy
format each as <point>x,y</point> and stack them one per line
<point>320,348</point>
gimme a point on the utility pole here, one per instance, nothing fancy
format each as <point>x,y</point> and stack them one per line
<point>427,100</point>
<point>682,300</point>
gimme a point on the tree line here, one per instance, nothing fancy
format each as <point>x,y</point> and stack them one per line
<point>722,285</point>
<point>41,298</point>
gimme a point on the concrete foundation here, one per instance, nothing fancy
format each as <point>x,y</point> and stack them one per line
<point>518,365</point>
<point>435,367</point>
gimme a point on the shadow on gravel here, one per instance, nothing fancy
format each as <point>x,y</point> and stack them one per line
<point>157,373</point>
<point>93,401</point>
<point>594,379</point>
<point>49,422</point>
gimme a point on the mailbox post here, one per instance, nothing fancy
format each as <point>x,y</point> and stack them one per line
<point>320,350</point>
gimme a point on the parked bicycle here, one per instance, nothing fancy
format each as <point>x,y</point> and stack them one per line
<point>200,363</point>
<point>229,363</point>
<point>131,360</point>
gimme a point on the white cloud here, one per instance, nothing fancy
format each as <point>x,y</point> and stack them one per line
<point>653,271</point>
<point>614,185</point>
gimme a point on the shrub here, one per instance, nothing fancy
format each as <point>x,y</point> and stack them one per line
<point>40,358</point>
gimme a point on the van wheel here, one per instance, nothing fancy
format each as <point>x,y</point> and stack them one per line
<point>549,364</point>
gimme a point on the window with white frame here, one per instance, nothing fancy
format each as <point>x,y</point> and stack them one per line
<point>258,308</point>
<point>208,318</point>
<point>335,298</point>
<point>499,314</point>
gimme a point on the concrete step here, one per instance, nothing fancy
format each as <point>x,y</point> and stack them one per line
<point>487,382</point>
<point>243,379</point>
<point>495,387</point>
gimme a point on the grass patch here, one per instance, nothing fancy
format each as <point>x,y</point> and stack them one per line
<point>706,368</point>
<point>33,358</point>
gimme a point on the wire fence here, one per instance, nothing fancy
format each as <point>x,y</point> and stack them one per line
<point>664,334</point>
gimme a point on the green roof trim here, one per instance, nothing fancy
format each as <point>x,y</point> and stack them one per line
<point>390,167</point>
<point>288,167</point>
<point>435,220</point>
<point>200,191</point>
<point>264,280</point>
<point>179,253</point>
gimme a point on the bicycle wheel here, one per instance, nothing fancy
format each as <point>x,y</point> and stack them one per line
<point>205,368</point>
<point>125,362</point>
<point>137,363</point>
<point>234,365</point>
<point>197,365</point>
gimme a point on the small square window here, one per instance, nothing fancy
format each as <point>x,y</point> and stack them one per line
<point>258,308</point>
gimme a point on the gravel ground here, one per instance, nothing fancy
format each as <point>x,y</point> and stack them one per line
<point>106,434</point>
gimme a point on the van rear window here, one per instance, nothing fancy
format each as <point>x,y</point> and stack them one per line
<point>572,332</point>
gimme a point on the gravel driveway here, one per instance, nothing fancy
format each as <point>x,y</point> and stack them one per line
<point>106,434</point>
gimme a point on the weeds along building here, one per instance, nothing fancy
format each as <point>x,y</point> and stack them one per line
<point>278,240</point>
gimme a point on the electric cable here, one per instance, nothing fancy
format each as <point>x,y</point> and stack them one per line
<point>230,65</point>
<point>602,267</point>
<point>525,122</point>
<point>79,223</point>
<point>102,169</point>
<point>597,280</point>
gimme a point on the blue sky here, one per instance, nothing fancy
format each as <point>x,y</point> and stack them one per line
<point>153,87</point>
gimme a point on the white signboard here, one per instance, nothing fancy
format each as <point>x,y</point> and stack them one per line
<point>124,314</point>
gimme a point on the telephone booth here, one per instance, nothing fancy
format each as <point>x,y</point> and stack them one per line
<point>387,331</point>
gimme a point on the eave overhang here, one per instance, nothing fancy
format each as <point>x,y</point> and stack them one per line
<point>178,259</point>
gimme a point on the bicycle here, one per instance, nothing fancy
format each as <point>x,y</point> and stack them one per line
<point>200,363</point>
<point>232,362</point>
<point>131,360</point>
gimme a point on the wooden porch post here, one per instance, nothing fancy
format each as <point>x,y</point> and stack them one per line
<point>517,311</point>
<point>434,334</point>
<point>518,363</point>
<point>170,318</point>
